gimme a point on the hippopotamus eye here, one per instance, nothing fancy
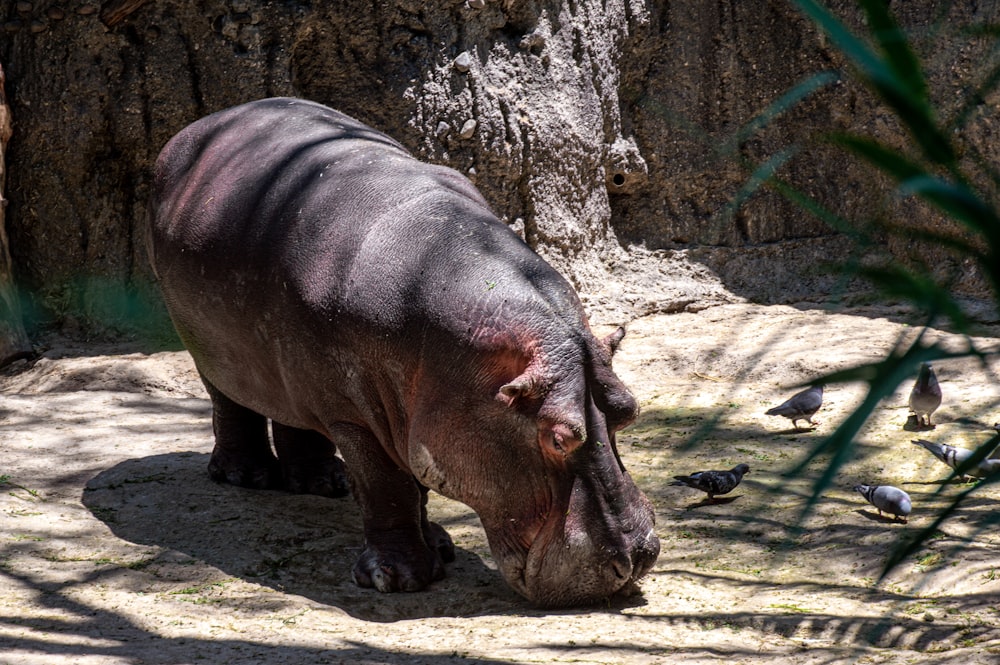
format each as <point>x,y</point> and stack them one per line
<point>561,440</point>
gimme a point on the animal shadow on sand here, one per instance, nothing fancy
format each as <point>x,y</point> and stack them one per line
<point>797,430</point>
<point>297,544</point>
<point>912,425</point>
<point>717,501</point>
<point>875,517</point>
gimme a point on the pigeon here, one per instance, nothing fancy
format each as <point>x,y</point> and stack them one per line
<point>888,499</point>
<point>714,482</point>
<point>801,406</point>
<point>925,397</point>
<point>953,457</point>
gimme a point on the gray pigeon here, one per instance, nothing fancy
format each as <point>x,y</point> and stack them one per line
<point>714,482</point>
<point>925,397</point>
<point>953,457</point>
<point>888,499</point>
<point>801,406</point>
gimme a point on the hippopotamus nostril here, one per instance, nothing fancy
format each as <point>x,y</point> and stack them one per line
<point>645,553</point>
<point>621,565</point>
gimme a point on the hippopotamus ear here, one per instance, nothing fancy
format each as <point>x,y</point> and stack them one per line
<point>526,387</point>
<point>614,339</point>
<point>610,394</point>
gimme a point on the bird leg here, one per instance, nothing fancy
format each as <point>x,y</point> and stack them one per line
<point>812,424</point>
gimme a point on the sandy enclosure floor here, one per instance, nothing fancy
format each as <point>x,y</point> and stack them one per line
<point>115,547</point>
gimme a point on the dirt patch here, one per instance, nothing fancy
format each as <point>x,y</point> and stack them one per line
<point>116,548</point>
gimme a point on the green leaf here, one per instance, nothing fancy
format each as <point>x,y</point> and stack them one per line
<point>878,155</point>
<point>895,75</point>
<point>957,201</point>
<point>917,288</point>
<point>763,173</point>
<point>793,96</point>
<point>899,57</point>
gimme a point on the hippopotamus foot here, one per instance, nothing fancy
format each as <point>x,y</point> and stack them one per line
<point>397,562</point>
<point>309,464</point>
<point>403,551</point>
<point>242,470</point>
<point>242,454</point>
<point>400,562</point>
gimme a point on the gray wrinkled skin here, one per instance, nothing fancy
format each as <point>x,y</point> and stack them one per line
<point>366,302</point>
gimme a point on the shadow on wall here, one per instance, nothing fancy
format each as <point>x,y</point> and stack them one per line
<point>803,271</point>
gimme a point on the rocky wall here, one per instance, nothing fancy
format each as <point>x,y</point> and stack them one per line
<point>589,125</point>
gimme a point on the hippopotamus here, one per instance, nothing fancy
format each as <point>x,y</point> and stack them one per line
<point>363,301</point>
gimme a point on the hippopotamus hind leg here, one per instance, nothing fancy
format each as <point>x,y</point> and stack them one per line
<point>308,460</point>
<point>242,454</point>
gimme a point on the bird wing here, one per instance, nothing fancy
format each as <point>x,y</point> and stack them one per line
<point>783,409</point>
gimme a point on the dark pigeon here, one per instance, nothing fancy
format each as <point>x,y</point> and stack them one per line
<point>801,406</point>
<point>925,397</point>
<point>714,482</point>
<point>953,457</point>
<point>887,499</point>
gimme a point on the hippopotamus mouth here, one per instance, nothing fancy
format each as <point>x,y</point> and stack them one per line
<point>588,547</point>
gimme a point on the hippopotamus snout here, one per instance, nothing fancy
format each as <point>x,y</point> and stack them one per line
<point>597,538</point>
<point>604,545</point>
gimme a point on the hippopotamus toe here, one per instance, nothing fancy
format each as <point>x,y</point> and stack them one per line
<point>389,570</point>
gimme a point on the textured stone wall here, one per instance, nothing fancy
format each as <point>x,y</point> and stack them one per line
<point>520,96</point>
<point>703,72</point>
<point>589,125</point>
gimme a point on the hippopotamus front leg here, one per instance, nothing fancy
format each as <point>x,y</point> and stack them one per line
<point>242,455</point>
<point>403,550</point>
<point>308,460</point>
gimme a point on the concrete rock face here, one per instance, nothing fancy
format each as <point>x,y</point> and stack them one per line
<point>521,97</point>
<point>702,74</point>
<point>587,125</point>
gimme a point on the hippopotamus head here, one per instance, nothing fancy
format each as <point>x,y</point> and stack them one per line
<point>565,523</point>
